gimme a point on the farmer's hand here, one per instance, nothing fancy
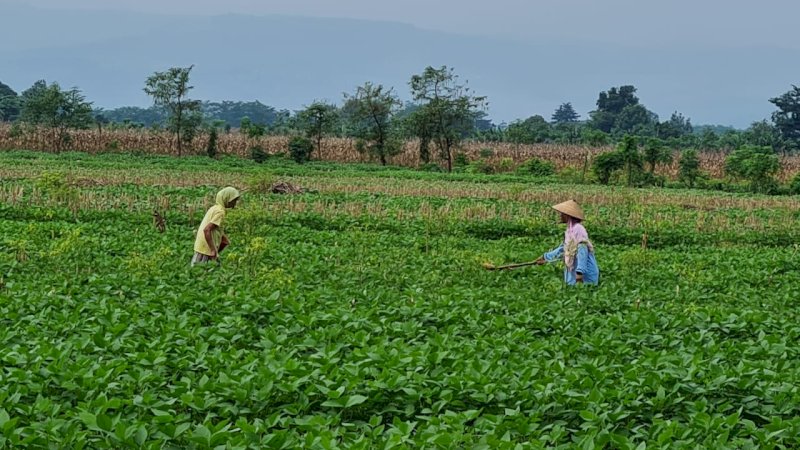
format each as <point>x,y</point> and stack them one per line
<point>579,278</point>
<point>541,261</point>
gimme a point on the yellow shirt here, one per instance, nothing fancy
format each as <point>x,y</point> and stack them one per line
<point>214,215</point>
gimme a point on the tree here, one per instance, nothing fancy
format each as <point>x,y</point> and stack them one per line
<point>370,111</point>
<point>764,134</point>
<point>605,164</point>
<point>787,118</point>
<point>317,120</point>
<point>689,167</point>
<point>9,104</point>
<point>656,153</point>
<point>757,164</point>
<point>631,158</point>
<point>50,106</point>
<point>636,120</point>
<point>676,127</point>
<point>170,90</point>
<point>565,114</point>
<point>610,105</point>
<point>448,109</point>
<point>532,130</point>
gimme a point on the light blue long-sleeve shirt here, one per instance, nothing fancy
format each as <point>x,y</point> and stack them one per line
<point>585,264</point>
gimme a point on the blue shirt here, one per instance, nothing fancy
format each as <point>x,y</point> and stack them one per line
<point>584,264</point>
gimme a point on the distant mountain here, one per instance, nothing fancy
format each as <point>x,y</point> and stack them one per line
<point>287,62</point>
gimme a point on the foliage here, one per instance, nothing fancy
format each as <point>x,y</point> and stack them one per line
<point>362,318</point>
<point>258,154</point>
<point>537,168</point>
<point>211,145</point>
<point>756,164</point>
<point>565,113</point>
<point>318,120</point>
<point>448,110</point>
<point>610,105</point>
<point>631,159</point>
<point>370,112</point>
<point>532,130</point>
<point>59,110</point>
<point>170,90</point>
<point>689,167</point>
<point>656,153</point>
<point>787,117</point>
<point>9,104</point>
<point>300,149</point>
<point>605,164</point>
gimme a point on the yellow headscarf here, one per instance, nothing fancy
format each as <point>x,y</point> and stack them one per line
<point>226,196</point>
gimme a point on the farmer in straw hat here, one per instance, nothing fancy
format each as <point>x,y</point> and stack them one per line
<point>211,239</point>
<point>577,250</point>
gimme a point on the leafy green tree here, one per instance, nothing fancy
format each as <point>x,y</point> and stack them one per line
<point>676,127</point>
<point>757,164</point>
<point>9,104</point>
<point>51,107</point>
<point>764,134</point>
<point>709,139</point>
<point>370,111</point>
<point>605,164</point>
<point>170,90</point>
<point>689,167</point>
<point>565,114</point>
<point>610,104</point>
<point>787,117</point>
<point>656,153</point>
<point>636,120</point>
<point>318,120</point>
<point>532,130</point>
<point>300,149</point>
<point>448,109</point>
<point>631,158</point>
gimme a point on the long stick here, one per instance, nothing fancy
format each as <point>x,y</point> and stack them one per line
<point>489,266</point>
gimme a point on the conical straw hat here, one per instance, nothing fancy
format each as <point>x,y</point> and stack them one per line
<point>570,208</point>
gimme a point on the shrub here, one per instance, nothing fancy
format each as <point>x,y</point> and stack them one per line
<point>794,186</point>
<point>605,164</point>
<point>430,167</point>
<point>258,154</point>
<point>537,168</point>
<point>300,149</point>
<point>461,160</point>
<point>211,146</point>
<point>758,165</point>
<point>689,167</point>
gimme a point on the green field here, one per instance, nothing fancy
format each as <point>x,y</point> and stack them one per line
<point>357,315</point>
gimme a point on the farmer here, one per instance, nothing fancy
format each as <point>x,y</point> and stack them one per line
<point>211,239</point>
<point>577,250</point>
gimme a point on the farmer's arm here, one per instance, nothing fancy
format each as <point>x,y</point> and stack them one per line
<point>223,244</point>
<point>552,255</point>
<point>208,233</point>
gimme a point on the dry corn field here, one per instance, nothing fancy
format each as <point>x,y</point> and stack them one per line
<point>505,156</point>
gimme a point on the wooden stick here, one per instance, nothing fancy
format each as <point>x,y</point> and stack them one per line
<point>489,266</point>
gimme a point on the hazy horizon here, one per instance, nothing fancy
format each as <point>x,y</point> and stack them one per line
<point>717,62</point>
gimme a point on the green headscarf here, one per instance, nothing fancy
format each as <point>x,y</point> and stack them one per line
<point>226,196</point>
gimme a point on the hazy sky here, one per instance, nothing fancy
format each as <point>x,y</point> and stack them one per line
<point>631,22</point>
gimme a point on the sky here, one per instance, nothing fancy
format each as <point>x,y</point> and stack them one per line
<point>646,22</point>
<point>717,62</point>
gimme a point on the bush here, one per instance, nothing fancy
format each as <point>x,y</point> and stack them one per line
<point>261,183</point>
<point>794,186</point>
<point>300,149</point>
<point>536,167</point>
<point>461,160</point>
<point>758,165</point>
<point>605,164</point>
<point>480,166</point>
<point>430,167</point>
<point>689,167</point>
<point>258,154</point>
<point>211,146</point>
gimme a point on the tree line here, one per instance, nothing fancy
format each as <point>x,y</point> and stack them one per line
<point>443,112</point>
